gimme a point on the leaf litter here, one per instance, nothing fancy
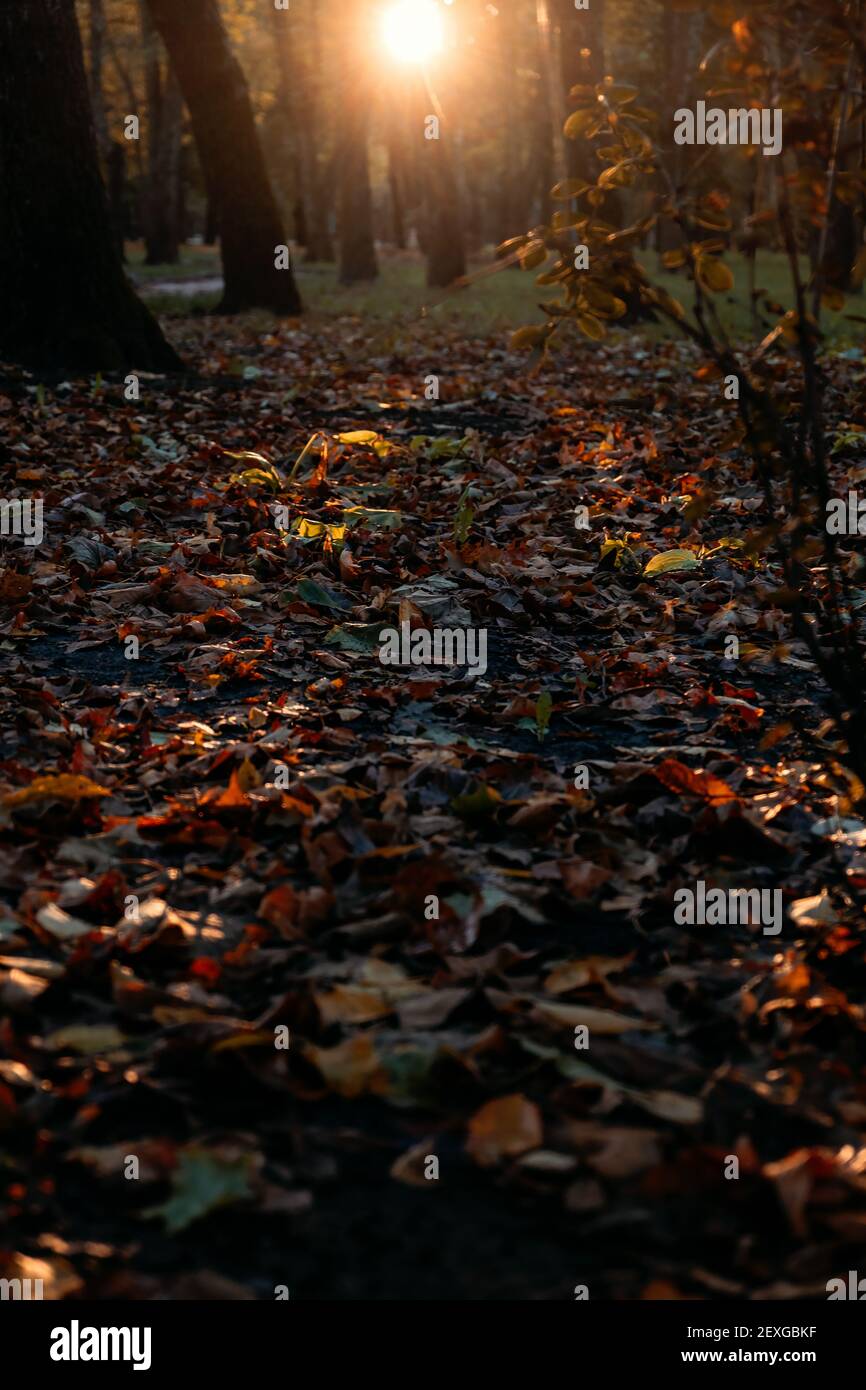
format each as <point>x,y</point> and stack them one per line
<point>238,835</point>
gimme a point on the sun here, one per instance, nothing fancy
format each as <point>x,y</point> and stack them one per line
<point>412,30</point>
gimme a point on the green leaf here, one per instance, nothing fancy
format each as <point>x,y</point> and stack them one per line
<point>477,805</point>
<point>373,517</point>
<point>258,477</point>
<point>543,707</point>
<point>354,637</point>
<point>463,518</point>
<point>203,1181</point>
<point>320,597</point>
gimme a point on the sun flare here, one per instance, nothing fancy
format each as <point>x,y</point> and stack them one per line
<point>412,30</point>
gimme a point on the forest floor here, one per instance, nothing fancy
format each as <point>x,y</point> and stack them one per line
<point>454,890</point>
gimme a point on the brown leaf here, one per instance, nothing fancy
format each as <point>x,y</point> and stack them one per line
<point>504,1128</point>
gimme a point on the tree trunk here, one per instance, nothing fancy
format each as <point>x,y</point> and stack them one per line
<point>581,54</point>
<point>216,94</point>
<point>446,258</point>
<point>552,82</point>
<point>542,143</point>
<point>354,204</point>
<point>298,98</point>
<point>514,193</point>
<point>211,221</point>
<point>97,95</point>
<point>164,118</point>
<point>66,302</point>
<point>396,189</point>
<point>444,245</point>
<point>117,195</point>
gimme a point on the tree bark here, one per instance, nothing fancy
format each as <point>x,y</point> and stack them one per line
<point>446,258</point>
<point>354,203</point>
<point>164,118</point>
<point>117,195</point>
<point>217,97</point>
<point>298,97</point>
<point>581,53</point>
<point>396,183</point>
<point>65,300</point>
<point>444,243</point>
<point>97,94</point>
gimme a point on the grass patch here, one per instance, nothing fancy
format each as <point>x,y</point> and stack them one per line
<point>496,303</point>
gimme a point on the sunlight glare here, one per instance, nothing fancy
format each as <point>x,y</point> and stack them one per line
<point>412,30</point>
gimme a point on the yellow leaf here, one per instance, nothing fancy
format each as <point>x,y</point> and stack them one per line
<point>579,122</point>
<point>350,1068</point>
<point>590,326</point>
<point>714,275</point>
<point>568,188</point>
<point>66,786</point>
<point>248,1038</point>
<point>574,974</point>
<point>351,1004</point>
<point>671,560</point>
<point>532,255</point>
<point>602,303</point>
<point>358,437</point>
<point>248,776</point>
<point>604,1022</point>
<point>86,1038</point>
<point>527,337</point>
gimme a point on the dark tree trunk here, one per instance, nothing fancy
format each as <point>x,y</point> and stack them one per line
<point>181,212</point>
<point>511,211</point>
<point>211,222</point>
<point>216,94</point>
<point>97,95</point>
<point>446,255</point>
<point>65,300</point>
<point>581,51</point>
<point>396,189</point>
<point>298,97</point>
<point>446,258</point>
<point>164,118</point>
<point>117,195</point>
<point>354,204</point>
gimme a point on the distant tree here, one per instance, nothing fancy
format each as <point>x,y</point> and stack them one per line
<point>96,52</point>
<point>581,50</point>
<point>354,202</point>
<point>165,116</point>
<point>65,300</point>
<point>217,96</point>
<point>298,97</point>
<point>446,257</point>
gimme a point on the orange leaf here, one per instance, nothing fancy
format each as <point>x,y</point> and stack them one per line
<point>685,781</point>
<point>279,907</point>
<point>504,1128</point>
